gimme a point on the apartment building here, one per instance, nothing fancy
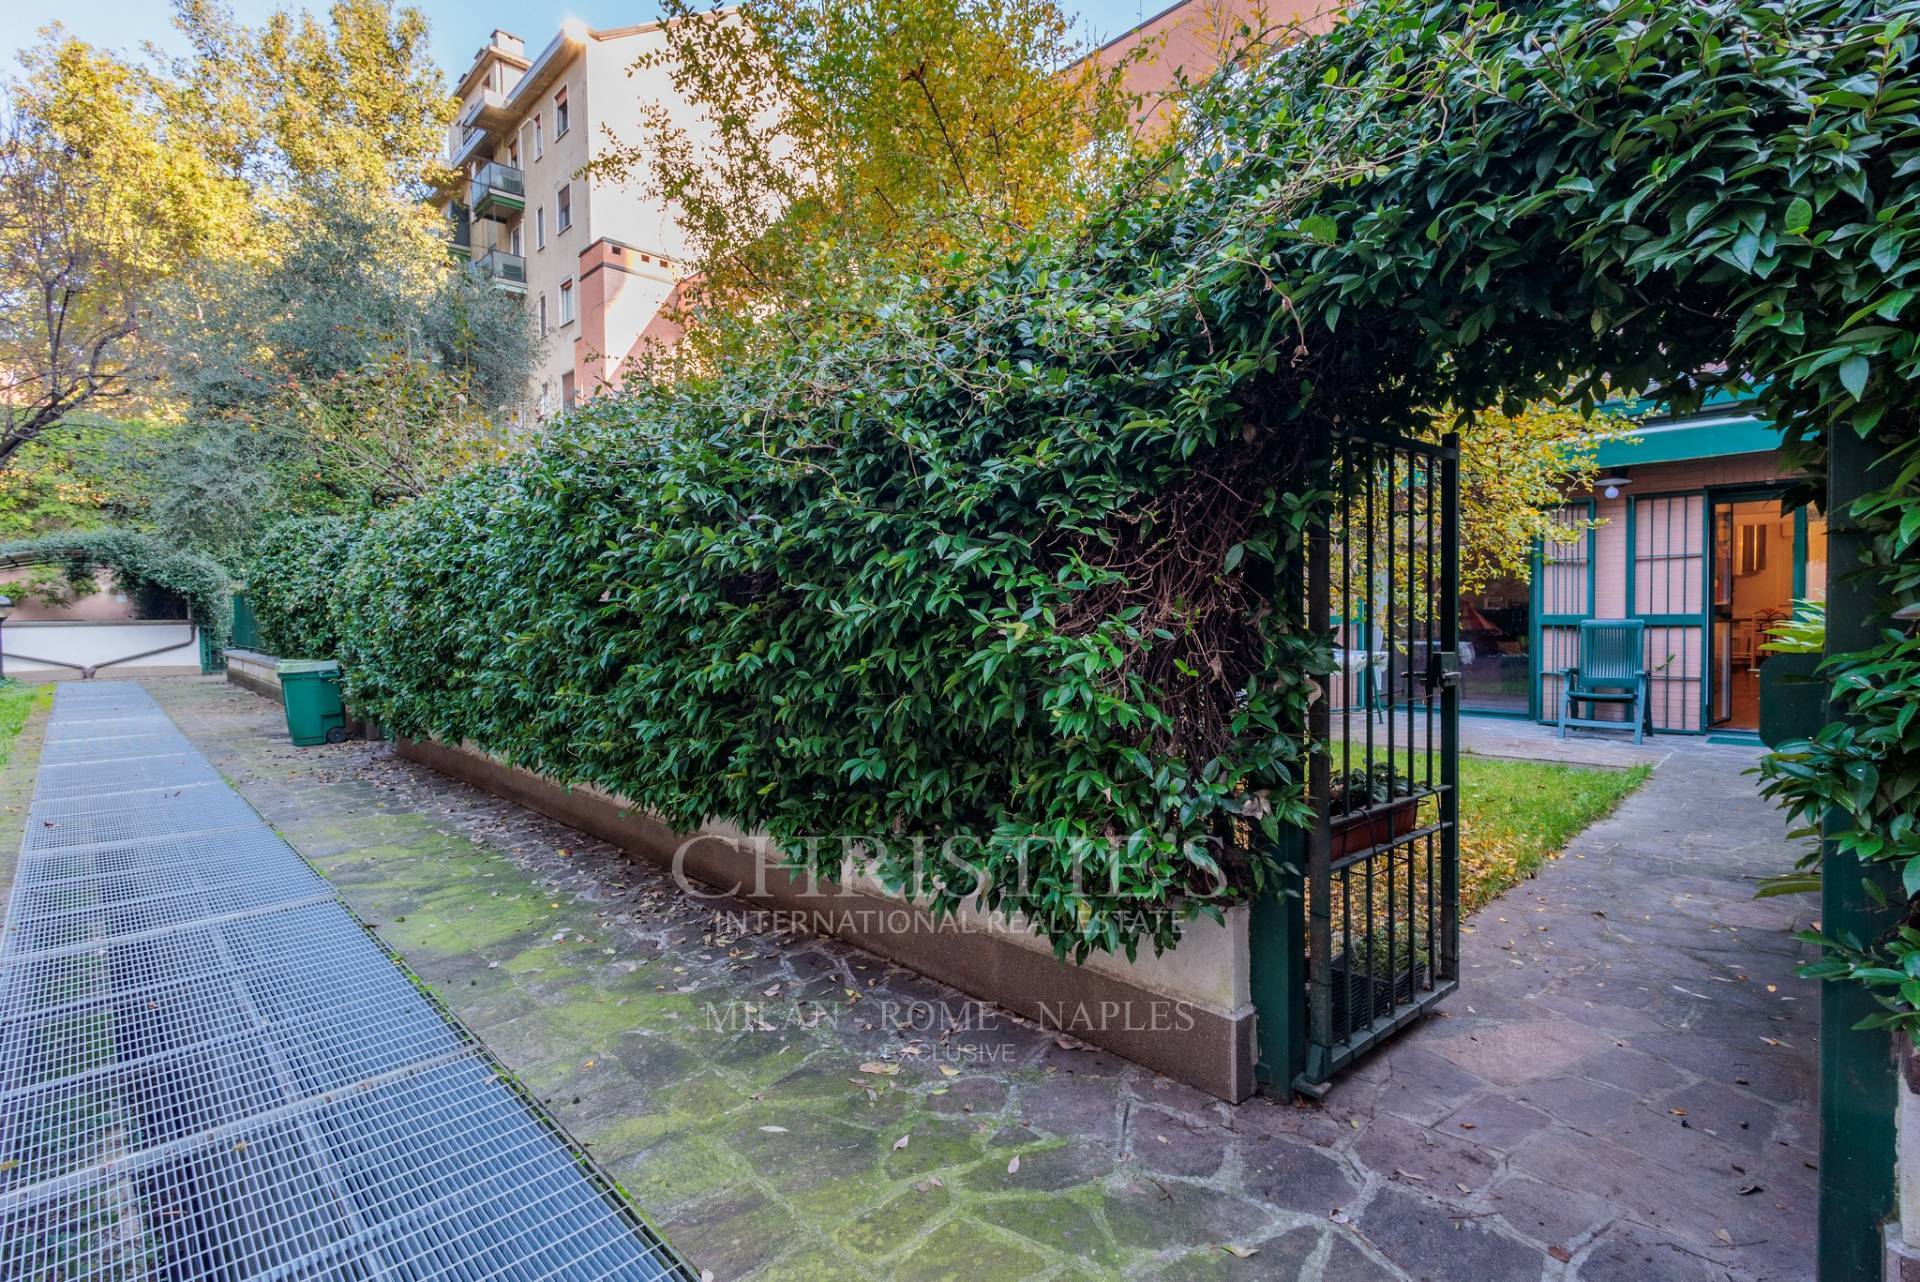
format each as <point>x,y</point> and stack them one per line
<point>597,262</point>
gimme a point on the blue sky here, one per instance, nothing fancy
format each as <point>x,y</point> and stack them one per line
<point>459,26</point>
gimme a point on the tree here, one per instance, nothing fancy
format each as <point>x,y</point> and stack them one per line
<point>67,308</point>
<point>101,198</point>
<point>1514,470</point>
<point>119,180</point>
<point>270,291</point>
<point>354,104</point>
<point>857,140</point>
<point>350,373</point>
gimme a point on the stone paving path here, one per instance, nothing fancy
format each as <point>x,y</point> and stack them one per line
<point>1621,1090</point>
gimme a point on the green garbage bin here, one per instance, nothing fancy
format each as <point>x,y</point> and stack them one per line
<point>310,689</point>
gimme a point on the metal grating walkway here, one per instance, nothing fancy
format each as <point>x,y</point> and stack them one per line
<point>209,1070</point>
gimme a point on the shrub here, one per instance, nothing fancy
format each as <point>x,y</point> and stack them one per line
<point>293,584</point>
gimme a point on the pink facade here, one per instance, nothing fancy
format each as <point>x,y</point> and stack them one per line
<point>629,309</point>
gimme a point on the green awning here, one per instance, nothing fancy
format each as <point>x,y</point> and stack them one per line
<point>1684,439</point>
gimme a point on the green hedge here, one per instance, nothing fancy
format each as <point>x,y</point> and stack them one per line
<point>1014,563</point>
<point>141,565</point>
<point>294,582</point>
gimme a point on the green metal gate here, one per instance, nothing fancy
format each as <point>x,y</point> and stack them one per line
<point>1367,935</point>
<point>246,631</point>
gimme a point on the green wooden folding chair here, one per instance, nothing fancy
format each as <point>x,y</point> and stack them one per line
<point>1612,671</point>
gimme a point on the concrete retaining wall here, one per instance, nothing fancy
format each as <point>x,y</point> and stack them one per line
<point>1187,1014</point>
<point>251,670</point>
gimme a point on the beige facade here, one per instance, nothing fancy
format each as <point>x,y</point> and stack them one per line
<point>595,260</point>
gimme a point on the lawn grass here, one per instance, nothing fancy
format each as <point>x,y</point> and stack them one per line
<point>17,702</point>
<point>1515,815</point>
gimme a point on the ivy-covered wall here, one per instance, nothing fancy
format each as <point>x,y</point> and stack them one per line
<point>1007,565</point>
<point>141,565</point>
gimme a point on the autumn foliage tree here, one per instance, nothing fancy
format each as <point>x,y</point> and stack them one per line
<point>848,142</point>
<point>256,272</point>
<point>103,197</point>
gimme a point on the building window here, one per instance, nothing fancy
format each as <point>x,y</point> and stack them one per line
<point>566,390</point>
<point>539,138</point>
<point>560,115</point>
<point>516,240</point>
<point>513,153</point>
<point>543,313</point>
<point>566,302</point>
<point>540,227</point>
<point>524,144</point>
<point>563,208</point>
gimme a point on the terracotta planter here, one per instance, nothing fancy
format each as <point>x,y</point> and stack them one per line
<point>1353,833</point>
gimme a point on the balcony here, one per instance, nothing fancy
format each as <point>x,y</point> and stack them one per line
<point>487,112</point>
<point>472,143</point>
<point>497,191</point>
<point>505,271</point>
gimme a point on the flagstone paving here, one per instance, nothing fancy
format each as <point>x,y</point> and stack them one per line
<point>1621,1090</point>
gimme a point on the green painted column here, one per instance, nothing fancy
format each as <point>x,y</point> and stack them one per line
<point>1857,1077</point>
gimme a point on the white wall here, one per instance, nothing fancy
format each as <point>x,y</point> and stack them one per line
<point>624,211</point>
<point>93,644</point>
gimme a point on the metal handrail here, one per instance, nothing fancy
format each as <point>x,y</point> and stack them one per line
<point>499,264</point>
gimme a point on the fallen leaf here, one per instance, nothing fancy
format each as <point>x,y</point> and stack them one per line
<point>1241,1252</point>
<point>1014,1166</point>
<point>948,1070</point>
<point>879,1069</point>
<point>1560,1253</point>
<point>1724,1236</point>
<point>901,1142</point>
<point>774,1130</point>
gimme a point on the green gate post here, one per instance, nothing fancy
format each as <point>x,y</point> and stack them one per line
<point>1277,961</point>
<point>1857,1077</point>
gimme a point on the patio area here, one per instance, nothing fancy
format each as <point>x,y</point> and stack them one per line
<point>1622,1089</point>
